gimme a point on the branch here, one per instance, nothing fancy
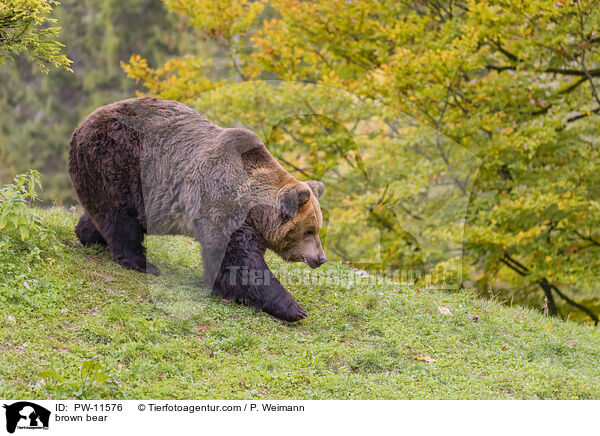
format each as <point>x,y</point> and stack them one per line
<point>577,305</point>
<point>500,68</point>
<point>359,163</point>
<point>587,72</point>
<point>546,287</point>
<point>514,265</point>
<point>587,238</point>
<point>592,73</point>
<point>566,90</point>
<point>573,86</point>
<point>565,72</point>
<point>578,117</point>
<point>505,52</point>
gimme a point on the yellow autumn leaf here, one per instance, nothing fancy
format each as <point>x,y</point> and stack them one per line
<point>426,358</point>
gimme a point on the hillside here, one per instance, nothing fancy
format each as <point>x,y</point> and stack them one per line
<point>93,329</point>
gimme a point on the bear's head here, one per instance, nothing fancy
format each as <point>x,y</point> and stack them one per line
<point>295,235</point>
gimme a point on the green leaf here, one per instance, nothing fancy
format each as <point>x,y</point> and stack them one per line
<point>100,377</point>
<point>52,374</point>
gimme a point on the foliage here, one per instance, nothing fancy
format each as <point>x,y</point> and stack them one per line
<point>168,338</point>
<point>25,26</point>
<point>24,232</point>
<point>503,106</point>
<point>92,379</point>
<point>16,215</point>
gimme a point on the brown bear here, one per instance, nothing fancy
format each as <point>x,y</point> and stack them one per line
<point>147,165</point>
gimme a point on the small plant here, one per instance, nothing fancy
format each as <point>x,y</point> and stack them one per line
<point>16,215</point>
<point>91,376</point>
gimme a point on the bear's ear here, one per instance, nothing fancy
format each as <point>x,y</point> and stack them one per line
<point>317,187</point>
<point>293,198</point>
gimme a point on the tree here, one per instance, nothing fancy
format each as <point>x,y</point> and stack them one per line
<point>24,26</point>
<point>514,83</point>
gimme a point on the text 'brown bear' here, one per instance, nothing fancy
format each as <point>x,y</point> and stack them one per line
<point>147,165</point>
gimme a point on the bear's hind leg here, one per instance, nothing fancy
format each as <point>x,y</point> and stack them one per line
<point>87,233</point>
<point>125,236</point>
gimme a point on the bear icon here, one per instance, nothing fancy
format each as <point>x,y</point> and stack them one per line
<point>26,414</point>
<point>147,165</point>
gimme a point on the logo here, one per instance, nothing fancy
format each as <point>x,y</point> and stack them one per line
<point>26,415</point>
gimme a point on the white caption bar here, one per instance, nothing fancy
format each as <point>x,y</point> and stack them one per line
<point>297,417</point>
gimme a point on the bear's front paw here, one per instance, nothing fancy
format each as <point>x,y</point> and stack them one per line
<point>141,265</point>
<point>292,312</point>
<point>152,269</point>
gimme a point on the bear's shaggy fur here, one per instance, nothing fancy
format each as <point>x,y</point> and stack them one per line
<point>147,165</point>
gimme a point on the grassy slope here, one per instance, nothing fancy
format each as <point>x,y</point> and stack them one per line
<point>167,337</point>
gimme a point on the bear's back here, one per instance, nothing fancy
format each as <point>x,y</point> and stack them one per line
<point>156,156</point>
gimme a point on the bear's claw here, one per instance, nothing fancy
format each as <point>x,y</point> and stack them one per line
<point>152,269</point>
<point>143,267</point>
<point>294,312</point>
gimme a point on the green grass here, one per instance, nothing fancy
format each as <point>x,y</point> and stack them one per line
<point>167,337</point>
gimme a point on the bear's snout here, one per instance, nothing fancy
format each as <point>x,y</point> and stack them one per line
<point>315,263</point>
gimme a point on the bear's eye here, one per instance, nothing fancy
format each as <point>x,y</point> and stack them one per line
<point>309,233</point>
